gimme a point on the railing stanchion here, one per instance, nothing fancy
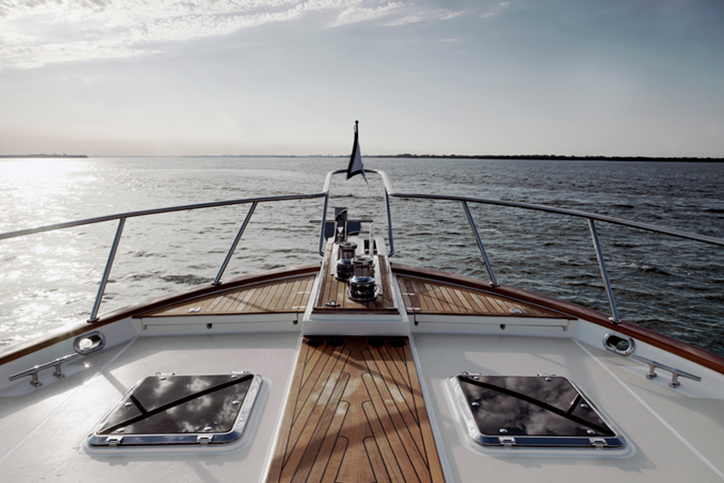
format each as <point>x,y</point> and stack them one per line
<point>493,281</point>
<point>217,280</point>
<point>324,222</point>
<point>107,271</point>
<point>604,273</point>
<point>389,225</point>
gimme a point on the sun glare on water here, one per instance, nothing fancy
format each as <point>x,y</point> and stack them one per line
<point>28,170</point>
<point>34,190</point>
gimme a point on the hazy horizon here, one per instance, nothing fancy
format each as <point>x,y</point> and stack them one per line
<point>451,156</point>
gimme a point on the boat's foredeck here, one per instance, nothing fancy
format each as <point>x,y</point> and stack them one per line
<point>420,296</point>
<point>355,410</point>
<point>359,408</point>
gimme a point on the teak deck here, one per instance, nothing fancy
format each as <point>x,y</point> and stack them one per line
<point>288,295</point>
<point>426,297</point>
<point>355,414</point>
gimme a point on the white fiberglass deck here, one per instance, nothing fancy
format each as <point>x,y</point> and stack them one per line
<point>44,432</point>
<point>675,437</point>
<point>677,434</point>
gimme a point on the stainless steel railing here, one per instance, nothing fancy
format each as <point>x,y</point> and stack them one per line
<point>591,218</point>
<point>122,217</point>
<point>386,182</point>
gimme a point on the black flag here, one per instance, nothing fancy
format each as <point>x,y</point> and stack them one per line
<point>355,161</point>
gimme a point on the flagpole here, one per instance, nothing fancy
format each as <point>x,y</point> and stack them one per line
<point>356,136</point>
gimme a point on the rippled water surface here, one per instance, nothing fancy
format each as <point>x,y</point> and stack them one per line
<point>674,286</point>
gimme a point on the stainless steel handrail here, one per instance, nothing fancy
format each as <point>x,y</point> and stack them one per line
<point>389,192</point>
<point>122,217</point>
<point>327,184</point>
<point>172,209</point>
<point>590,217</point>
<point>562,211</point>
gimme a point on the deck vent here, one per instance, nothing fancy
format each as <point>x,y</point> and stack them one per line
<point>530,411</point>
<point>180,410</point>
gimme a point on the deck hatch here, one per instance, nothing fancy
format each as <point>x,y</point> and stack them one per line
<point>530,411</point>
<point>180,410</point>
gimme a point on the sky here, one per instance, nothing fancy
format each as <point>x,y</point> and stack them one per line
<point>290,77</point>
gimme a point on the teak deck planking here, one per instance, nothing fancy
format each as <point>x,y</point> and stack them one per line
<point>289,295</point>
<point>426,297</point>
<point>355,413</point>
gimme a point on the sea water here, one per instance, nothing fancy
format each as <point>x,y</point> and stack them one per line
<point>674,286</point>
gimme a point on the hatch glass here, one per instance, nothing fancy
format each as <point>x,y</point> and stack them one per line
<point>184,409</point>
<point>539,410</point>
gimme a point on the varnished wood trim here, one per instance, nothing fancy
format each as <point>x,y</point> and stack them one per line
<point>17,351</point>
<point>355,413</point>
<point>695,354</point>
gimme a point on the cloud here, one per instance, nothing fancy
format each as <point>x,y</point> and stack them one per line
<point>41,32</point>
<point>37,56</point>
<point>425,16</point>
<point>496,9</point>
<point>363,14</point>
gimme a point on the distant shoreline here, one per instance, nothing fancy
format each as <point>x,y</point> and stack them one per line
<point>43,155</point>
<point>555,157</point>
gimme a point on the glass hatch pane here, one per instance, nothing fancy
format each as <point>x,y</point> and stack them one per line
<point>533,406</point>
<point>180,404</point>
<point>531,411</point>
<point>188,409</point>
